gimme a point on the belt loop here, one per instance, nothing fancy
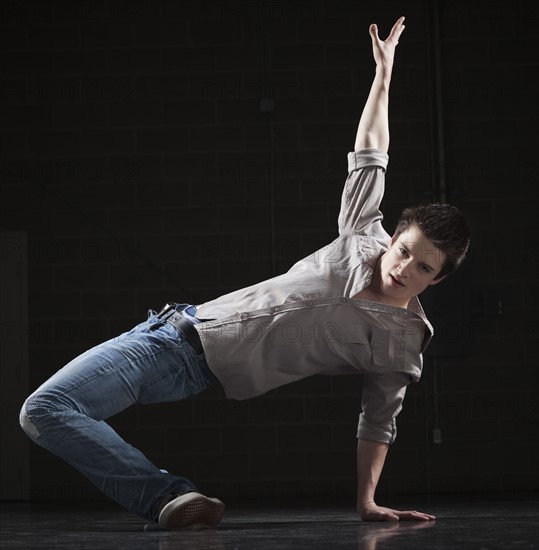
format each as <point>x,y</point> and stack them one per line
<point>183,324</point>
<point>167,308</point>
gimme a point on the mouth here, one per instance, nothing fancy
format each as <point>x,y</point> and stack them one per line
<point>395,283</point>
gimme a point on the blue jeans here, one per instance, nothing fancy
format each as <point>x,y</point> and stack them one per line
<point>152,363</point>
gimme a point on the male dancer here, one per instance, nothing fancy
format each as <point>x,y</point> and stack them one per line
<point>350,307</point>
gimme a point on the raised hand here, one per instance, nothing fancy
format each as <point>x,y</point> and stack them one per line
<point>373,129</point>
<point>384,50</point>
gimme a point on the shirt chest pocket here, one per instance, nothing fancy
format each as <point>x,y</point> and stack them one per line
<point>388,347</point>
<point>376,348</point>
<point>381,347</point>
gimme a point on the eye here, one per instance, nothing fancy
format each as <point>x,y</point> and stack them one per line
<point>403,251</point>
<point>425,269</point>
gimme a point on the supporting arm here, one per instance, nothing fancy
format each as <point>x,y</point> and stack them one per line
<point>371,456</point>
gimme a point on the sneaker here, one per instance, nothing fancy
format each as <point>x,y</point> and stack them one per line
<point>191,511</point>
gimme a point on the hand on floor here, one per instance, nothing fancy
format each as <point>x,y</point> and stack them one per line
<point>373,512</point>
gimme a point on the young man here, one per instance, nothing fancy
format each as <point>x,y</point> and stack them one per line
<point>351,307</point>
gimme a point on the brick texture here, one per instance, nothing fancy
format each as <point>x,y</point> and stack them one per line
<point>134,153</point>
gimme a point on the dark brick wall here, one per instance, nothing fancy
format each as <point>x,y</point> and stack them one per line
<point>135,154</point>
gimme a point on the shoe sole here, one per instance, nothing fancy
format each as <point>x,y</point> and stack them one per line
<point>191,511</point>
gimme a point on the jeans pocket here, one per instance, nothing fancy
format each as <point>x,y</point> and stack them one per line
<point>172,385</point>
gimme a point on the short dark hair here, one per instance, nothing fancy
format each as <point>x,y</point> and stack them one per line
<point>444,225</point>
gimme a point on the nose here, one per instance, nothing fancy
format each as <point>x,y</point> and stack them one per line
<point>404,269</point>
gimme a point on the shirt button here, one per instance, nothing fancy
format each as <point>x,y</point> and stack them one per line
<point>343,300</point>
<point>277,309</point>
<point>309,304</point>
<point>244,315</point>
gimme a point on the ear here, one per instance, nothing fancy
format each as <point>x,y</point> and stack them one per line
<point>436,281</point>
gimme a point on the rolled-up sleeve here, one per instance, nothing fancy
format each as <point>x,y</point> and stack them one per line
<point>363,191</point>
<point>381,402</point>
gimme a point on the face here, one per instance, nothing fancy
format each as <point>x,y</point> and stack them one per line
<point>409,266</point>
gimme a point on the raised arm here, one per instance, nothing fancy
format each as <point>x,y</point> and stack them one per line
<point>373,129</point>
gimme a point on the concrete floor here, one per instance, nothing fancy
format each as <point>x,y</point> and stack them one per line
<point>466,523</point>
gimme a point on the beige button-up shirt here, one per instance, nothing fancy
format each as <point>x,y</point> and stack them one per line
<point>306,321</point>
